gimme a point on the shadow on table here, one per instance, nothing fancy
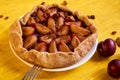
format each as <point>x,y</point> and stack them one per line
<point>54,75</point>
<point>103,75</point>
<point>97,58</point>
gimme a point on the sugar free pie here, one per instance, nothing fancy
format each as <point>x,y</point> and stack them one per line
<point>52,36</point>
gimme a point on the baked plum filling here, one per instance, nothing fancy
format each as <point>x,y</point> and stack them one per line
<point>53,30</point>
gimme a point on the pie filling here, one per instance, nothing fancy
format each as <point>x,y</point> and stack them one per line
<point>53,30</point>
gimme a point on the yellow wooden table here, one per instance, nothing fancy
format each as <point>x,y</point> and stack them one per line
<point>107,14</point>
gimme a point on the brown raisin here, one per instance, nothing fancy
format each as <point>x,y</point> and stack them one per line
<point>6,18</point>
<point>1,16</point>
<point>113,32</point>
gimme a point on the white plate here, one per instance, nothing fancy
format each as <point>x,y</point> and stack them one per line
<point>82,61</point>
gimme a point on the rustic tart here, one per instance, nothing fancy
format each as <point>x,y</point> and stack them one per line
<point>52,36</point>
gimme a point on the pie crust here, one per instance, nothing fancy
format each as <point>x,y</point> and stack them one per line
<point>51,60</point>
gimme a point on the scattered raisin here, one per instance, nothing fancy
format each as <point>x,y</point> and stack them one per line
<point>113,32</point>
<point>118,41</point>
<point>1,16</point>
<point>42,3</point>
<point>6,18</point>
<point>91,16</point>
<point>64,3</point>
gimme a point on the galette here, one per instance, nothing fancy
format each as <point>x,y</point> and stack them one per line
<point>52,36</point>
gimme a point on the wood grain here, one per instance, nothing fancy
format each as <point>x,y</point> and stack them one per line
<point>107,13</point>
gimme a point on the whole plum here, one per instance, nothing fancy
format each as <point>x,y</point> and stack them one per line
<point>106,48</point>
<point>113,68</point>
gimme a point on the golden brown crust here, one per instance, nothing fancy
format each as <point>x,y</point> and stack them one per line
<point>51,60</point>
